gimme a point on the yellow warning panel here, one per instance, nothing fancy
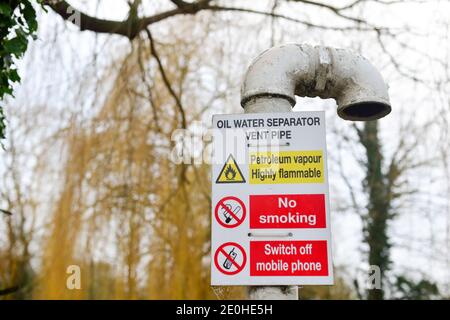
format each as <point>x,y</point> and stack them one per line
<point>230,172</point>
<point>286,167</point>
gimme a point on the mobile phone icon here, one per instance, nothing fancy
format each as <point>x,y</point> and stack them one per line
<point>229,263</point>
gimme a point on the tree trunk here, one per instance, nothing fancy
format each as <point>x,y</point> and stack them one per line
<point>377,217</point>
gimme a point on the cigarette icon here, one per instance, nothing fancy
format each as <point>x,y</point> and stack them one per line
<point>227,215</point>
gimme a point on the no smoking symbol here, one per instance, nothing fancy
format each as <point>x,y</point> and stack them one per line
<point>230,212</point>
<point>230,258</point>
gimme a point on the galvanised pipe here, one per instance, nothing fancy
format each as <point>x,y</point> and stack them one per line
<point>280,73</point>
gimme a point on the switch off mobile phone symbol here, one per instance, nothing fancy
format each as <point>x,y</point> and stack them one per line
<point>230,258</point>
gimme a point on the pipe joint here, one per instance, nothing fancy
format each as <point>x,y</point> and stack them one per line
<point>286,71</point>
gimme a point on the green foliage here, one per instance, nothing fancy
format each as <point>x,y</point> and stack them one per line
<point>408,289</point>
<point>17,25</point>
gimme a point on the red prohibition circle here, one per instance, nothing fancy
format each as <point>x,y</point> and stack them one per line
<point>221,250</point>
<point>221,203</point>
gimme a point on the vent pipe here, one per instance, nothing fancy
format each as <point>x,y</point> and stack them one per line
<point>280,73</point>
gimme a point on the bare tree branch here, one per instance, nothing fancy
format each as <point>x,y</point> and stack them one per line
<point>166,79</point>
<point>130,27</point>
<point>149,88</point>
<point>8,213</point>
<point>336,10</point>
<point>183,167</point>
<point>180,3</point>
<point>394,61</point>
<point>133,25</point>
<point>4,292</point>
<point>284,17</point>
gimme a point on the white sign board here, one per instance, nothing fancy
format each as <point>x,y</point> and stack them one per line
<point>270,203</point>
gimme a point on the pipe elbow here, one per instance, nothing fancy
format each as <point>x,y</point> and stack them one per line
<point>285,71</point>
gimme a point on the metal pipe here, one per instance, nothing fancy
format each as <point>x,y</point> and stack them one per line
<point>280,73</point>
<point>273,293</point>
<point>264,104</point>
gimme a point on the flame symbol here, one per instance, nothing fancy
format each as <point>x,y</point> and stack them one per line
<point>230,173</point>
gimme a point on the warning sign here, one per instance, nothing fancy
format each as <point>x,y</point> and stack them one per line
<point>286,167</point>
<point>230,258</point>
<point>230,172</point>
<point>288,258</point>
<point>287,211</point>
<point>270,198</point>
<point>230,212</point>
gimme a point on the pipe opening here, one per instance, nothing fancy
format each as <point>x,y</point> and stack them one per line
<point>364,111</point>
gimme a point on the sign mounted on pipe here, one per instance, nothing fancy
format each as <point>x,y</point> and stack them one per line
<point>270,204</point>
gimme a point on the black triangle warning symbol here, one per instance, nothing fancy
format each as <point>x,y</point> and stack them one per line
<point>230,172</point>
